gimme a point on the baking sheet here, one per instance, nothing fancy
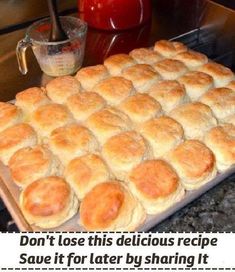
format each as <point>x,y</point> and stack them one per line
<point>9,192</point>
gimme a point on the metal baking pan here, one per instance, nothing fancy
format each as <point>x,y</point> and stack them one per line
<point>9,192</point>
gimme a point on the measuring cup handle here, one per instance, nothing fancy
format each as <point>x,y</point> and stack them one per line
<point>22,45</point>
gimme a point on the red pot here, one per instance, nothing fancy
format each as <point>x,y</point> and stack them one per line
<point>114,14</point>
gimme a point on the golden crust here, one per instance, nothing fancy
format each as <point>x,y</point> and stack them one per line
<point>71,141</point>
<point>107,123</point>
<point>48,117</point>
<point>117,63</point>
<point>124,151</point>
<point>196,84</point>
<point>9,115</point>
<point>48,202</point>
<point>145,56</point>
<point>82,105</point>
<point>163,134</point>
<point>91,75</point>
<point>14,138</point>
<point>194,163</point>
<point>221,141</point>
<point>170,69</point>
<point>60,88</point>
<point>193,60</point>
<point>142,76</point>
<point>221,74</point>
<point>110,206</point>
<point>141,107</point>
<point>114,89</point>
<point>169,93</point>
<point>231,85</point>
<point>195,118</point>
<point>85,172</point>
<point>169,49</point>
<point>31,163</point>
<point>221,101</point>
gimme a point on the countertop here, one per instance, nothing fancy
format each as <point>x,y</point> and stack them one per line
<point>212,32</point>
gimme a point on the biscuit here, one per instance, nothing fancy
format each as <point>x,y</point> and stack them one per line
<point>145,56</point>
<point>71,141</point>
<point>169,93</point>
<point>49,117</point>
<point>140,108</point>
<point>193,60</point>
<point>170,69</point>
<point>169,49</point>
<point>196,84</point>
<point>221,140</point>
<point>194,163</point>
<point>221,74</point>
<point>85,172</point>
<point>91,75</point>
<point>142,76</point>
<point>195,118</point>
<point>84,104</point>
<point>16,137</point>
<point>110,206</point>
<point>156,185</point>
<point>221,101</point>
<point>30,99</point>
<point>117,63</point>
<point>31,163</point>
<point>107,123</point>
<point>60,88</point>
<point>48,202</point>
<point>10,115</point>
<point>163,134</point>
<point>124,151</point>
<point>231,85</point>
<point>114,89</point>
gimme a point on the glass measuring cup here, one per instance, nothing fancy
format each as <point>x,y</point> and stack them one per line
<point>54,58</point>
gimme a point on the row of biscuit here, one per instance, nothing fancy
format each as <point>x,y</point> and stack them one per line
<point>107,124</point>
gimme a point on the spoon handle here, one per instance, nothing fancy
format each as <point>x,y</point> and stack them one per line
<point>57,32</point>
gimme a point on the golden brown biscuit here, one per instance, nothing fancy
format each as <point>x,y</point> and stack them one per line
<point>110,206</point>
<point>195,118</point>
<point>221,101</point>
<point>82,105</point>
<point>169,93</point>
<point>140,108</point>
<point>49,117</point>
<point>60,88</point>
<point>14,138</point>
<point>221,74</point>
<point>124,151</point>
<point>163,134</point>
<point>156,185</point>
<point>85,172</point>
<point>169,49</point>
<point>117,63</point>
<point>196,84</point>
<point>170,69</point>
<point>71,141</point>
<point>30,99</point>
<point>91,75</point>
<point>107,123</point>
<point>142,76</point>
<point>31,163</point>
<point>194,163</point>
<point>48,202</point>
<point>231,85</point>
<point>114,89</point>
<point>221,140</point>
<point>145,56</point>
<point>193,60</point>
<point>9,115</point>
